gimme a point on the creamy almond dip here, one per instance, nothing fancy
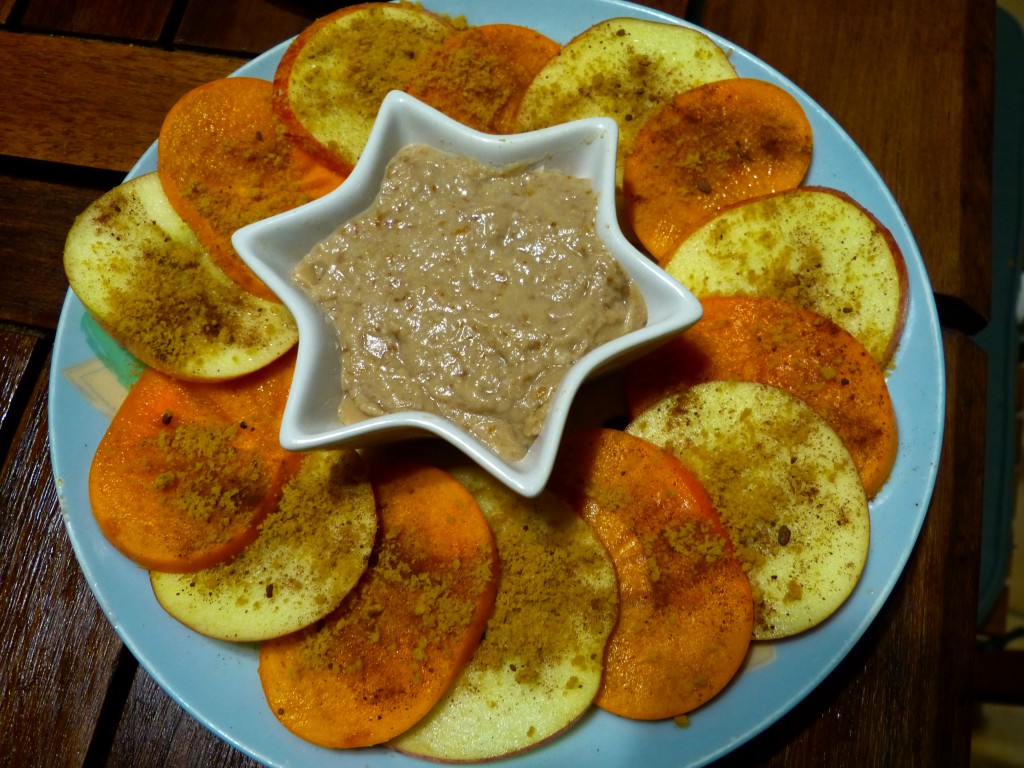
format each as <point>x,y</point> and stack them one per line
<point>469,291</point>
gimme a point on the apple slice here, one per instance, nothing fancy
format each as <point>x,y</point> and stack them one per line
<point>624,69</point>
<point>334,75</point>
<point>538,666</point>
<point>786,488</point>
<point>811,246</point>
<point>142,275</point>
<point>310,552</point>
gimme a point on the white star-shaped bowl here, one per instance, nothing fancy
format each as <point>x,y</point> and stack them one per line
<point>273,247</point>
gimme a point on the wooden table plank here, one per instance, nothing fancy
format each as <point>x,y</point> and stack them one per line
<point>248,26</point>
<point>16,350</point>
<point>34,289</point>
<point>101,106</point>
<point>940,177</point>
<point>903,695</point>
<point>58,649</point>
<point>156,732</point>
<point>678,8</point>
<point>253,26</point>
<point>104,18</point>
<point>6,6</point>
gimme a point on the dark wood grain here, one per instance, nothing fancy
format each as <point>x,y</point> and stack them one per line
<point>34,220</point>
<point>247,26</point>
<point>58,651</point>
<point>677,8</point>
<point>894,77</point>
<point>91,103</point>
<point>16,351</point>
<point>104,18</point>
<point>156,733</point>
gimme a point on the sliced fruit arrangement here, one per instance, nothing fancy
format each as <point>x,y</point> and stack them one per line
<point>813,247</point>
<point>143,276</point>
<point>786,488</point>
<point>334,75</point>
<point>225,162</point>
<point>429,608</point>
<point>539,665</point>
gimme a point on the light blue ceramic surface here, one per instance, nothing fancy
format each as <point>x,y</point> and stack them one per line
<point>217,682</point>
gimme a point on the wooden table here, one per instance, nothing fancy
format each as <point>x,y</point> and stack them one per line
<point>84,88</point>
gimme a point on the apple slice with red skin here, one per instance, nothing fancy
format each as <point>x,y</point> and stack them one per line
<point>310,552</point>
<point>332,78</point>
<point>812,246</point>
<point>786,488</point>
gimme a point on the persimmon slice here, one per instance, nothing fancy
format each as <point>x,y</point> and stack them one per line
<point>224,161</point>
<point>778,343</point>
<point>187,471</point>
<point>785,487</point>
<point>712,146</point>
<point>686,612</point>
<point>479,75</point>
<point>382,660</point>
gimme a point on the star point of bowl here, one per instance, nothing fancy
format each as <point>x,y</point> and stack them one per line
<point>273,247</point>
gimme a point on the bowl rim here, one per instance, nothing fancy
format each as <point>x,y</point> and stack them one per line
<point>271,247</point>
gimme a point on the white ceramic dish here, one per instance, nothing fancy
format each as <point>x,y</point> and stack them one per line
<point>273,247</point>
<point>84,386</point>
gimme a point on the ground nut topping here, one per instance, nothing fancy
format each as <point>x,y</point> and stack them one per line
<point>468,291</point>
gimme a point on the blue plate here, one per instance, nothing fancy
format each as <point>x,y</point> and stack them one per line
<point>89,376</point>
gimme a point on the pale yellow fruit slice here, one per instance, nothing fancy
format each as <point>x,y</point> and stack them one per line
<point>538,667</point>
<point>624,69</point>
<point>813,247</point>
<point>142,275</point>
<point>309,554</point>
<point>331,80</point>
<point>786,488</point>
